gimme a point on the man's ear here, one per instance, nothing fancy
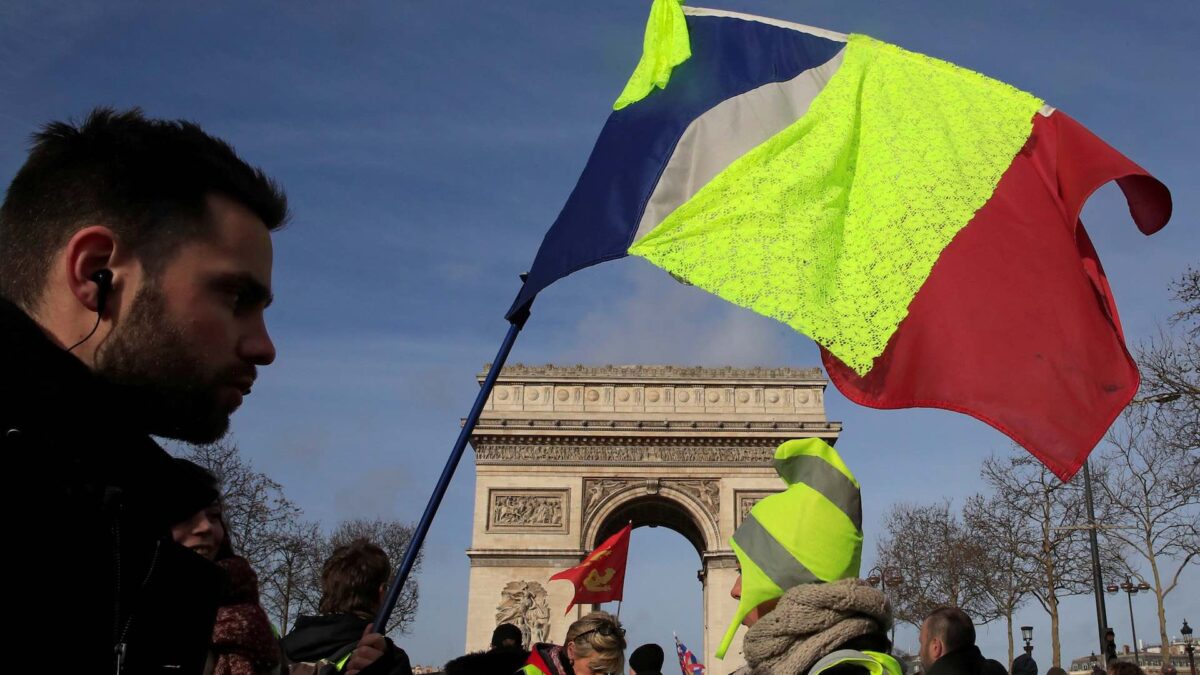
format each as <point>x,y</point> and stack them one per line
<point>88,251</point>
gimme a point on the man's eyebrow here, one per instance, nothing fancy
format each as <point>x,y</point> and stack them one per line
<point>254,291</point>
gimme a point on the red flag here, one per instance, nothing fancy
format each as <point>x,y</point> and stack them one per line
<point>601,576</point>
<point>1016,325</point>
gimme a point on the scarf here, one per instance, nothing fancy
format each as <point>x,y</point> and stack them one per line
<point>243,641</point>
<point>812,620</point>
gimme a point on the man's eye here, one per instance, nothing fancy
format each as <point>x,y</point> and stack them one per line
<point>237,299</point>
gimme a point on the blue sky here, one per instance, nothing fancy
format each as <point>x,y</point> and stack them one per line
<point>426,146</point>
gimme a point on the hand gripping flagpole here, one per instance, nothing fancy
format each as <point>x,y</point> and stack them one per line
<point>517,322</point>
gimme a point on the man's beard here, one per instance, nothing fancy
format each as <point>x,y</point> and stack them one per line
<point>158,376</point>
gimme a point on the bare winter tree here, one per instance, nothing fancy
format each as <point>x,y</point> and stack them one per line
<point>935,555</point>
<point>1153,452</point>
<point>1052,512</point>
<point>1005,578</point>
<point>1153,489</point>
<point>290,580</point>
<point>286,551</point>
<point>256,510</point>
<point>1170,367</point>
<point>393,537</point>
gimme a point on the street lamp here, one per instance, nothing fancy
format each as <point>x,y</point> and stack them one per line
<point>1027,636</point>
<point>1186,632</point>
<point>883,577</point>
<point>1131,589</point>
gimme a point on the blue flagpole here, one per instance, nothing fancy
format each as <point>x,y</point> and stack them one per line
<point>517,322</point>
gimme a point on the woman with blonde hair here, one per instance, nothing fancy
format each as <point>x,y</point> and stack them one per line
<point>594,644</point>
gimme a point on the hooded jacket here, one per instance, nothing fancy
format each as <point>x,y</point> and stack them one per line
<point>324,636</point>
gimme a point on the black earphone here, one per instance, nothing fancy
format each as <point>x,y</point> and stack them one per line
<point>103,279</point>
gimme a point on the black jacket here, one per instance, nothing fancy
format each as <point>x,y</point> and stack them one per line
<point>92,563</point>
<point>966,661</point>
<point>498,661</point>
<point>320,637</point>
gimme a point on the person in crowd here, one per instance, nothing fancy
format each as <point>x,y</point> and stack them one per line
<point>797,589</point>
<point>354,581</point>
<point>1119,667</point>
<point>593,644</point>
<point>135,268</point>
<point>1024,664</point>
<point>1110,645</point>
<point>1056,670</point>
<point>506,636</point>
<point>948,647</point>
<point>504,656</point>
<point>243,641</point>
<point>646,660</point>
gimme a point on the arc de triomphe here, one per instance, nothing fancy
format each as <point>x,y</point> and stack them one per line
<point>565,456</point>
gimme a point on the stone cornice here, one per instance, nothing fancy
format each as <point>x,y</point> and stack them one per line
<point>548,372</point>
<point>608,454</point>
<point>632,395</point>
<point>524,557</point>
<point>509,426</point>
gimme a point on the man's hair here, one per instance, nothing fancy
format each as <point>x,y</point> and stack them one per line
<point>952,626</point>
<point>351,578</point>
<point>507,635</point>
<point>148,180</point>
<point>1116,667</point>
<point>647,659</point>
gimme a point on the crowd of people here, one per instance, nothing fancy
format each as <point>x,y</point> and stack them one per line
<point>135,268</point>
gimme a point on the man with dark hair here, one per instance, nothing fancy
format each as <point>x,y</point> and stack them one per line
<point>506,635</point>
<point>354,581</point>
<point>1118,667</point>
<point>646,660</point>
<point>948,646</point>
<point>135,266</point>
<point>505,657</point>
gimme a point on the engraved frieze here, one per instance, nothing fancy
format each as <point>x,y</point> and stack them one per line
<point>527,510</point>
<point>499,454</point>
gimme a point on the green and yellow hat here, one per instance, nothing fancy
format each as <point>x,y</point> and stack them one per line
<point>809,533</point>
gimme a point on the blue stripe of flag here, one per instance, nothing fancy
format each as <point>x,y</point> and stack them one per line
<point>730,56</point>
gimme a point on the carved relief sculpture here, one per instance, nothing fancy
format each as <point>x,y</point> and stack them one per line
<point>707,492</point>
<point>524,605</point>
<point>625,454</point>
<point>527,510</point>
<point>595,490</point>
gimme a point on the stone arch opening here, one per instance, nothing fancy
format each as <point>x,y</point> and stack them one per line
<point>654,504</point>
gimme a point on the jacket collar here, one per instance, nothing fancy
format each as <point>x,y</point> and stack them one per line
<point>963,659</point>
<point>52,397</point>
